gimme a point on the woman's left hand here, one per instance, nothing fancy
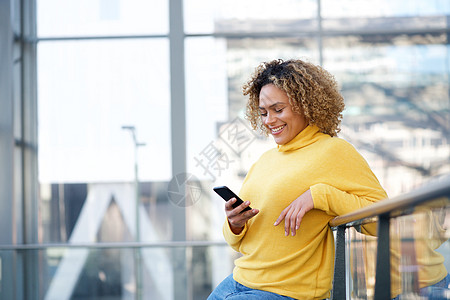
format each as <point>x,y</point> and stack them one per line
<point>293,214</point>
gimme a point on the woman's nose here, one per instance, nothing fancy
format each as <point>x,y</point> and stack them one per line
<point>269,119</point>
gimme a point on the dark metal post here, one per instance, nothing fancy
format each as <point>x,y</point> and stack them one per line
<point>339,281</point>
<point>383,267</point>
<point>27,142</point>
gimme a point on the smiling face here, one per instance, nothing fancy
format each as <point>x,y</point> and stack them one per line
<point>277,114</point>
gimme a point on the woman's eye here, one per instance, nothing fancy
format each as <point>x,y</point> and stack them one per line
<point>264,114</point>
<point>278,110</point>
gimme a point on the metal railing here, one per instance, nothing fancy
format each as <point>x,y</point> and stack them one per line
<point>60,266</point>
<point>383,211</point>
<point>116,245</point>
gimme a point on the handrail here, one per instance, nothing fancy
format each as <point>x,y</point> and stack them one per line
<point>432,190</point>
<point>384,210</point>
<point>167,244</point>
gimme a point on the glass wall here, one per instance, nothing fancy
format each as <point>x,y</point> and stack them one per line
<point>110,272</point>
<point>419,254</point>
<point>89,92</point>
<point>106,136</point>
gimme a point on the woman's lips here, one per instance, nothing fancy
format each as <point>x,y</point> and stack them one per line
<point>277,130</point>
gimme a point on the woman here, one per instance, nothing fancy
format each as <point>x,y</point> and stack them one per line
<point>311,177</point>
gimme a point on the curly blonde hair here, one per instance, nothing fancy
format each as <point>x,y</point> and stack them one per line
<point>310,88</point>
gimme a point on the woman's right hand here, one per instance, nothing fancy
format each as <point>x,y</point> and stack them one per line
<point>237,218</point>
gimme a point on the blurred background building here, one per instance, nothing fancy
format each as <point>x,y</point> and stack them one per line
<point>88,211</point>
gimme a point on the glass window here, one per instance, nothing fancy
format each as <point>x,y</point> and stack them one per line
<point>384,16</point>
<point>383,8</point>
<point>397,103</point>
<point>94,173</point>
<point>102,17</point>
<point>203,16</point>
<point>111,273</point>
<point>89,90</point>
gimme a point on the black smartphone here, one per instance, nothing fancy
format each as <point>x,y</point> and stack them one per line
<point>227,194</point>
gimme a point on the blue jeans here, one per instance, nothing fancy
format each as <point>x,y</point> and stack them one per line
<point>230,289</point>
<point>436,291</point>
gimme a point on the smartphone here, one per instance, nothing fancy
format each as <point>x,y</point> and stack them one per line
<point>227,194</point>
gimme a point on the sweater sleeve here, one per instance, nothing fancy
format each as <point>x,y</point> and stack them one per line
<point>336,202</point>
<point>354,185</point>
<point>234,240</point>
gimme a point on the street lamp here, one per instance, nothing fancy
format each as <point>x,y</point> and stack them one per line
<point>132,130</point>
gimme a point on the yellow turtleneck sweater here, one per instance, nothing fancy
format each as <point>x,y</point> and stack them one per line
<point>340,181</point>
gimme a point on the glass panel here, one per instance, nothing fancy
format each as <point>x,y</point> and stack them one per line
<point>385,16</point>
<point>88,163</point>
<point>83,273</point>
<point>397,104</point>
<point>386,24</point>
<point>67,212</point>
<point>362,250</point>
<point>420,254</point>
<point>102,17</point>
<point>420,251</point>
<point>383,8</point>
<point>203,16</point>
